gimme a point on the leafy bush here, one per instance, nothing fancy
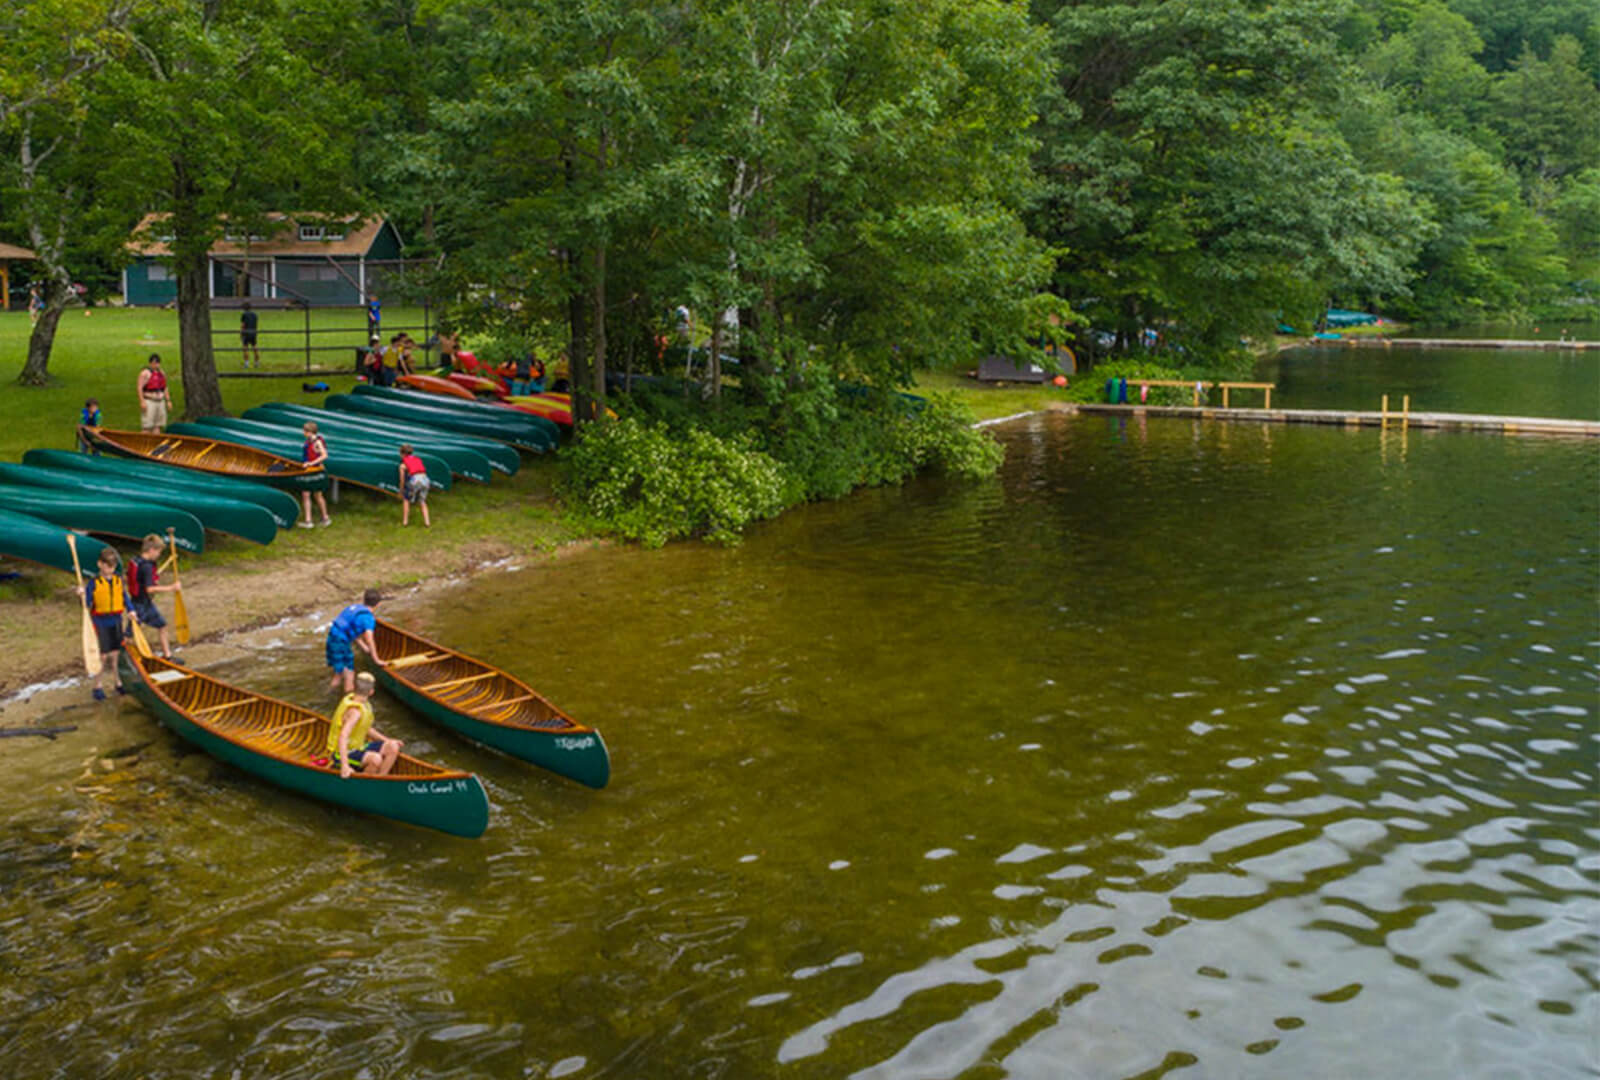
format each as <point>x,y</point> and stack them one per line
<point>676,470</point>
<point>652,483</point>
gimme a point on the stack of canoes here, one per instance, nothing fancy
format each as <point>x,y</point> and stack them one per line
<point>101,514</point>
<point>469,457</point>
<point>117,499</point>
<point>557,408</point>
<point>362,465</point>
<point>32,539</point>
<point>488,419</point>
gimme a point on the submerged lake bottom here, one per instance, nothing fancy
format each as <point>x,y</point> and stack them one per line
<point>1179,748</point>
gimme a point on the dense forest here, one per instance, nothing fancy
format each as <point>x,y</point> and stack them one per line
<point>864,185</point>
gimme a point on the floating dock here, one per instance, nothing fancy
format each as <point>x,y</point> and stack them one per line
<point>1502,425</point>
<point>1454,343</point>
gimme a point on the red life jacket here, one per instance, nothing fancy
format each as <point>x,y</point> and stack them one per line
<point>309,452</point>
<point>156,384</point>
<point>413,465</point>
<point>136,585</point>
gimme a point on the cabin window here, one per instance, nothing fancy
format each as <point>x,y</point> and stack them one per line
<point>157,272</point>
<point>312,232</point>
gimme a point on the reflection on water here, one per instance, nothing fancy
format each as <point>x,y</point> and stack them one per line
<point>1241,749</point>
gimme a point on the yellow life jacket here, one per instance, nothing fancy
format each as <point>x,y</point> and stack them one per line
<point>105,595</point>
<point>358,737</point>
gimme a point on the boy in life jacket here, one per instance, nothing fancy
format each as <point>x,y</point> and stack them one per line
<point>414,484</point>
<point>353,743</point>
<point>89,417</point>
<point>105,596</point>
<point>314,452</point>
<point>353,626</point>
<point>143,576</point>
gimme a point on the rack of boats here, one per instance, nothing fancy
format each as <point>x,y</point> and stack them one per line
<point>238,476</point>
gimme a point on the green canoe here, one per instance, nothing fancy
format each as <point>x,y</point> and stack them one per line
<point>105,515</point>
<point>404,412</point>
<point>280,504</point>
<point>488,705</point>
<point>489,411</point>
<point>286,745</point>
<point>216,512</point>
<point>23,536</point>
<point>501,458</point>
<point>362,470</point>
<point>437,468</point>
<point>464,463</point>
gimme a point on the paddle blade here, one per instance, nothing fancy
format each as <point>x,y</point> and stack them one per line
<point>92,663</point>
<point>180,618</point>
<point>139,640</point>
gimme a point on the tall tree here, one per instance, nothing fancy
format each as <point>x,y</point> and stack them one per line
<point>221,112</point>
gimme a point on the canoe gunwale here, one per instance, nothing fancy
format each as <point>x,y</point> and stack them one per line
<point>295,474</point>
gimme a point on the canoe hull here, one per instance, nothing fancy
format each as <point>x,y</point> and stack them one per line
<point>107,516</point>
<point>434,384</point>
<point>275,501</point>
<point>495,412</point>
<point>438,469</point>
<point>453,803</point>
<point>248,462</point>
<point>215,512</point>
<point>361,470</point>
<point>532,729</point>
<point>501,458</point>
<point>421,413</point>
<point>23,536</point>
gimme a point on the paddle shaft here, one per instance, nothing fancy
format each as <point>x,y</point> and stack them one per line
<point>92,663</point>
<point>180,609</point>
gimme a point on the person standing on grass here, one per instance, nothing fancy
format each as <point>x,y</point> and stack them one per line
<point>353,743</point>
<point>154,397</point>
<point>315,452</point>
<point>106,598</point>
<point>353,626</point>
<point>248,321</point>
<point>374,314</point>
<point>89,417</point>
<point>143,582</point>
<point>414,484</point>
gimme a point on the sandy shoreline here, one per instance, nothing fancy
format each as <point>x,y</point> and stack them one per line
<point>228,609</point>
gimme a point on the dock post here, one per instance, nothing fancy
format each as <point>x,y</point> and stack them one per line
<point>1268,403</point>
<point>1224,395</point>
<point>1405,411</point>
<point>1383,420</point>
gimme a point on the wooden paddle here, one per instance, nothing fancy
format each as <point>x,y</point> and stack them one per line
<point>180,610</point>
<point>91,641</point>
<point>416,658</point>
<point>140,642</point>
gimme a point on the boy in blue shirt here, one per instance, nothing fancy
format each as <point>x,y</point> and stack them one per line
<point>353,626</point>
<point>89,417</point>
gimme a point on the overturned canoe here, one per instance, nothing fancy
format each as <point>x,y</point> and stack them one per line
<point>493,411</point>
<point>361,469</point>
<point>434,384</point>
<point>478,384</point>
<point>217,513</point>
<point>275,501</point>
<point>501,458</point>
<point>404,411</point>
<point>382,449</point>
<point>105,515</point>
<point>211,455</point>
<point>488,705</point>
<point>23,536</point>
<point>286,745</point>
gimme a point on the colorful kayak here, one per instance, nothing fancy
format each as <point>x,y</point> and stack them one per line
<point>487,705</point>
<point>216,512</point>
<point>362,470</point>
<point>23,536</point>
<point>493,411</point>
<point>552,410</point>
<point>434,384</point>
<point>277,502</point>
<point>286,745</point>
<point>478,385</point>
<point>211,455</point>
<point>382,449</point>
<point>104,515</point>
<point>501,458</point>
<point>406,413</point>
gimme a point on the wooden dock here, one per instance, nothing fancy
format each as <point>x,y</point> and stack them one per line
<point>1503,425</point>
<point>1456,343</point>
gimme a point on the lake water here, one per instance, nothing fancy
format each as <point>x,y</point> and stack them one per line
<point>1203,749</point>
<point>1562,383</point>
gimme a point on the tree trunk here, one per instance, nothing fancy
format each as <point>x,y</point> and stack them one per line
<point>716,360</point>
<point>191,237</point>
<point>578,346</point>
<point>597,376</point>
<point>36,370</point>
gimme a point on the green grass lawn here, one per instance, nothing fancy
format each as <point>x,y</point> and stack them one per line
<point>100,355</point>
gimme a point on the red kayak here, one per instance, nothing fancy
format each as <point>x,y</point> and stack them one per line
<point>478,384</point>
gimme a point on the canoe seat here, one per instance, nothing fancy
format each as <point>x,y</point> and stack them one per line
<point>431,687</point>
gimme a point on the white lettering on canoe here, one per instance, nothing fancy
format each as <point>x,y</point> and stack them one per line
<point>435,787</point>
<point>567,742</point>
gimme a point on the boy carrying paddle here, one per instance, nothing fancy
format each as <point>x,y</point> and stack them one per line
<point>143,575</point>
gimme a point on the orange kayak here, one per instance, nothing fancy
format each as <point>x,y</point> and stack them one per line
<point>478,384</point>
<point>433,384</point>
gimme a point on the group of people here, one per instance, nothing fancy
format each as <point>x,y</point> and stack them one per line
<point>112,595</point>
<point>386,363</point>
<point>413,479</point>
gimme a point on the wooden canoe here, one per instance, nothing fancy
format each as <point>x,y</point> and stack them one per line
<point>368,470</point>
<point>35,540</point>
<point>286,745</point>
<point>211,456</point>
<point>434,384</point>
<point>487,705</point>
